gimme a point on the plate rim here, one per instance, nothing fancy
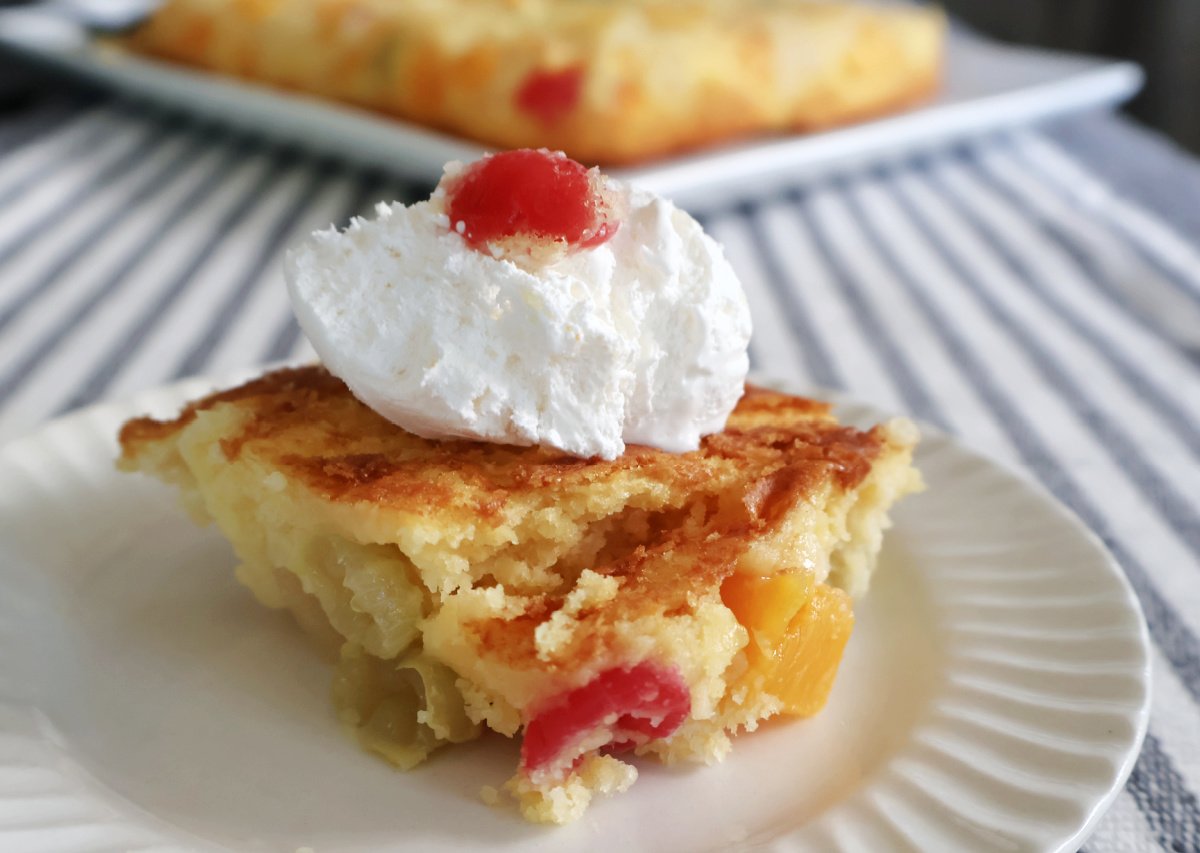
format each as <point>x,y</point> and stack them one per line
<point>842,400</point>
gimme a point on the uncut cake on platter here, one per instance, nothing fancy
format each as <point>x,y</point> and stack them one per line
<point>529,492</point>
<point>619,81</point>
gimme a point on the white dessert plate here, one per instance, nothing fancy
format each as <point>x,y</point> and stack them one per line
<point>993,697</point>
<point>987,86</point>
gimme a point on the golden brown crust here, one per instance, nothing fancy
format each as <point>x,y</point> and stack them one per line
<point>308,424</point>
<point>613,82</point>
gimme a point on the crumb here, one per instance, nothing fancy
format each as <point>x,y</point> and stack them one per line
<point>565,801</point>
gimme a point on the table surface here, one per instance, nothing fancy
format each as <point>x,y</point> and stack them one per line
<point>1036,293</point>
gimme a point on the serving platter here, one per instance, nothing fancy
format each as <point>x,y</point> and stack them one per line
<point>987,86</point>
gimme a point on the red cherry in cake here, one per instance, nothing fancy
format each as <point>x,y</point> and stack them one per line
<point>631,706</point>
<point>539,196</point>
<point>550,96</point>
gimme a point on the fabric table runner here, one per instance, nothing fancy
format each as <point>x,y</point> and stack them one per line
<point>1036,293</point>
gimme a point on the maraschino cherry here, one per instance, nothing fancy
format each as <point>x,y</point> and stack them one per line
<point>639,704</point>
<point>536,195</point>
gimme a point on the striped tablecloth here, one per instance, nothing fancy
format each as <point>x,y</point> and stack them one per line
<point>1015,292</point>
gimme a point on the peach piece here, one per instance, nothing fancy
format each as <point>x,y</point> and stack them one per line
<point>799,631</point>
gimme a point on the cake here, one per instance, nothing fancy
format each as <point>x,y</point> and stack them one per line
<point>527,490</point>
<point>613,82</point>
<point>515,584</point>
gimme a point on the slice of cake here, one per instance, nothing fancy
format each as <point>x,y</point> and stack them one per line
<point>529,490</point>
<point>652,604</point>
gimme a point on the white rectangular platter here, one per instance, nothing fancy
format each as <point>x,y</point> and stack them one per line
<point>987,87</point>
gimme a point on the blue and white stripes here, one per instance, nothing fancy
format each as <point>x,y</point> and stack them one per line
<point>1000,291</point>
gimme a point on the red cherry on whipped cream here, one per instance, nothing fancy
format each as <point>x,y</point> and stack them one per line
<point>504,309</point>
<point>539,195</point>
<point>626,706</point>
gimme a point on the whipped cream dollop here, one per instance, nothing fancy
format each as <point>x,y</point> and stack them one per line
<point>637,336</point>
